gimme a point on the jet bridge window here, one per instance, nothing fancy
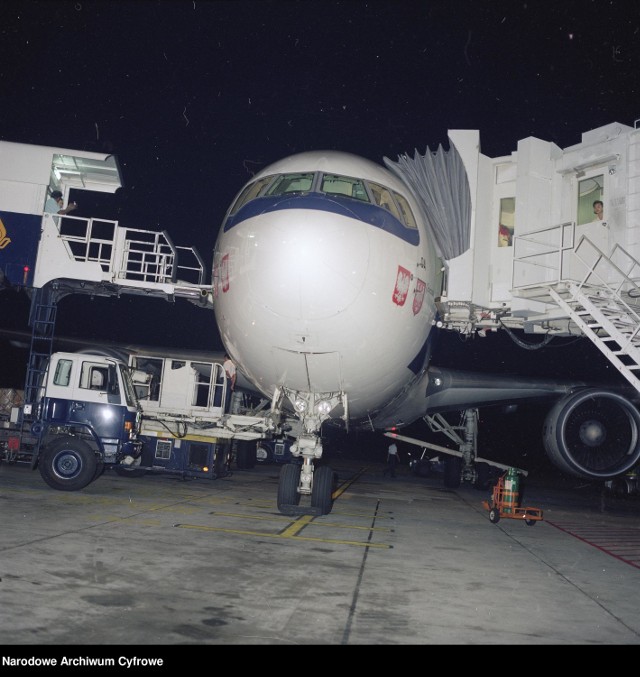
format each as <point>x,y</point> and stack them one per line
<point>506,221</point>
<point>590,190</point>
<point>291,183</point>
<point>332,184</point>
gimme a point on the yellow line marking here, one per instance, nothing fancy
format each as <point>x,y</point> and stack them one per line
<point>282,518</point>
<point>341,489</point>
<point>284,534</point>
<point>297,526</point>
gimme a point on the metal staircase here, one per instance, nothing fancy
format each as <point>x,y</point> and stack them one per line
<point>99,257</point>
<point>608,322</point>
<point>43,321</point>
<point>604,303</point>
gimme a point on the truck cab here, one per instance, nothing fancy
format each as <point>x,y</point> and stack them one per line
<point>86,416</point>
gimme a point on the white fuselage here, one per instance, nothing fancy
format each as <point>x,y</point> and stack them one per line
<point>322,292</point>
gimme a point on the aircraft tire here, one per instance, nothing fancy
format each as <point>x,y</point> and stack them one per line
<point>452,469</point>
<point>593,434</point>
<point>322,490</point>
<point>288,486</point>
<point>68,464</point>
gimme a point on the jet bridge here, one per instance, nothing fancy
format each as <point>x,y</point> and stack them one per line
<point>522,245</point>
<point>53,255</point>
<point>69,254</point>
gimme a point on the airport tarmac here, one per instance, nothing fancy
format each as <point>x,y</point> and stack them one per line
<point>160,561</point>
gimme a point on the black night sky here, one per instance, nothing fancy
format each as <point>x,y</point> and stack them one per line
<point>195,96</point>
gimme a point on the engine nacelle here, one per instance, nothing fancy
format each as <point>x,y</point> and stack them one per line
<point>593,434</point>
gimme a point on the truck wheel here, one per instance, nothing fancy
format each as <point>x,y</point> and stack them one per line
<point>68,464</point>
<point>99,470</point>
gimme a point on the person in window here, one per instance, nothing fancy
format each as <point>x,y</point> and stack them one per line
<point>504,236</point>
<point>55,204</point>
<point>598,210</point>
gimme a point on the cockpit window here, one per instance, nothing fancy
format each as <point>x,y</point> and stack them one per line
<point>407,214</point>
<point>384,198</point>
<point>330,184</point>
<point>291,183</point>
<point>251,191</point>
<point>333,184</point>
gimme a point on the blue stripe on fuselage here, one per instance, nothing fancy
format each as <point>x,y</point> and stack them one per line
<point>353,209</point>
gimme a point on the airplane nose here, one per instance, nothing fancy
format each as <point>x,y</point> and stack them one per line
<point>306,266</point>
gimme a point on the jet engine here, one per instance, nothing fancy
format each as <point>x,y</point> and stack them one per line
<point>593,434</point>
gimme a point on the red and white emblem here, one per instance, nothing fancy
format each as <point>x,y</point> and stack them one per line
<point>418,295</point>
<point>403,280</point>
<point>224,272</point>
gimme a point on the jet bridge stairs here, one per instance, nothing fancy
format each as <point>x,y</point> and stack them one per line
<point>598,293</point>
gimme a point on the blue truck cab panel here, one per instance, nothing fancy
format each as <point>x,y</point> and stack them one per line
<point>87,416</point>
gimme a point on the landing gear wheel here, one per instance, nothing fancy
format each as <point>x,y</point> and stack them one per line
<point>288,487</point>
<point>494,515</point>
<point>322,490</point>
<point>68,464</point>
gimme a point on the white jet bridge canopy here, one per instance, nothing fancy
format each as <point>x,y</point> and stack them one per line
<point>28,172</point>
<point>439,182</point>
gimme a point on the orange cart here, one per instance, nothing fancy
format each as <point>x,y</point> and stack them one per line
<point>505,501</point>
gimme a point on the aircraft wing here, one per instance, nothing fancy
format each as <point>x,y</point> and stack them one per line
<point>440,390</point>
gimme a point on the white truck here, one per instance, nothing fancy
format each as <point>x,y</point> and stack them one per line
<point>85,416</point>
<point>135,414</point>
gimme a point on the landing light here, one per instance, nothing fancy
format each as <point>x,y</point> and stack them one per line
<point>300,406</point>
<point>323,407</point>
